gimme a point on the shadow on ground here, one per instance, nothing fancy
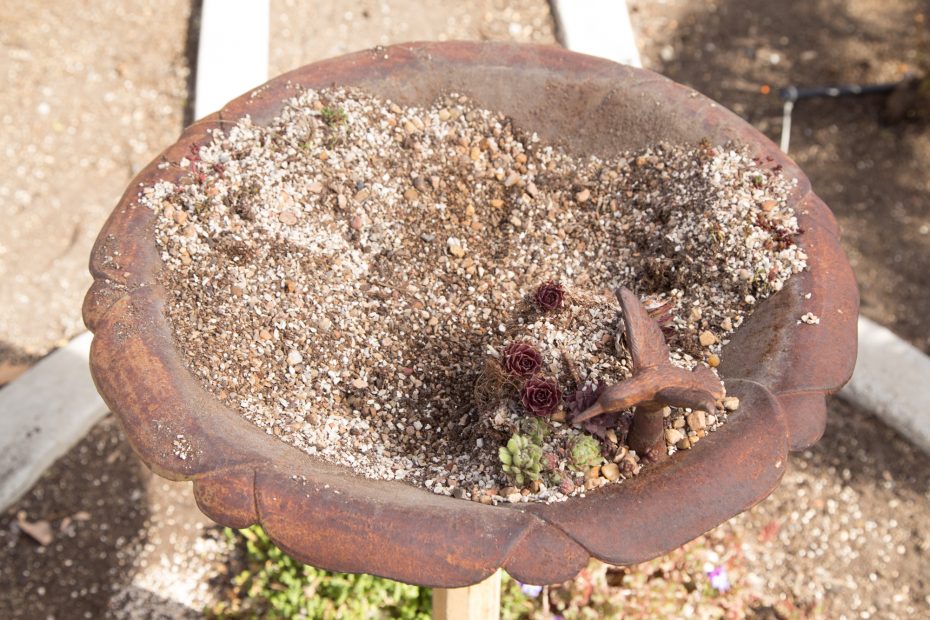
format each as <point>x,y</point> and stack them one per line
<point>13,362</point>
<point>874,176</point>
<point>93,499</point>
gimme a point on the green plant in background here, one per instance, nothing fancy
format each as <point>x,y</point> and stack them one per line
<point>273,585</point>
<point>263,582</point>
<point>520,459</point>
<point>584,452</point>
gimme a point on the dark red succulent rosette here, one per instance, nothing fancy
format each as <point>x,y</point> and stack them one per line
<point>541,396</point>
<point>550,296</point>
<point>521,359</point>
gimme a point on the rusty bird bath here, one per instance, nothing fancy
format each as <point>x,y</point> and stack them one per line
<point>322,515</point>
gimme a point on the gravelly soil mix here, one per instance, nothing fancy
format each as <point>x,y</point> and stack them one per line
<point>340,275</point>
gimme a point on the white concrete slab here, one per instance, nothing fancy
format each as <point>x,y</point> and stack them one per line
<point>892,380</point>
<point>232,57</point>
<point>597,27</point>
<point>43,413</point>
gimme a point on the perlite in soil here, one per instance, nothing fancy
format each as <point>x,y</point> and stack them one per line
<point>345,275</point>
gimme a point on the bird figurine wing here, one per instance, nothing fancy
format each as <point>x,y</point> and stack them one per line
<point>643,335</point>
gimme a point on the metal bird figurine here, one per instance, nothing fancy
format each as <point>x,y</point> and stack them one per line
<point>655,383</point>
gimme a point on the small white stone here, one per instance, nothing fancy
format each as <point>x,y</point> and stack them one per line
<point>294,358</point>
<point>810,318</point>
<point>455,247</point>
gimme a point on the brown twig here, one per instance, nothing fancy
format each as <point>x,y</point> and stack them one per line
<point>655,383</point>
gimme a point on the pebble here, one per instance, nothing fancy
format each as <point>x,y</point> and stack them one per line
<point>713,360</point>
<point>611,471</point>
<point>294,358</point>
<point>696,420</point>
<point>455,247</point>
<point>411,194</point>
<point>707,338</point>
<point>731,403</point>
<point>673,436</point>
<point>583,195</point>
<point>359,384</point>
<point>810,318</point>
<point>683,444</point>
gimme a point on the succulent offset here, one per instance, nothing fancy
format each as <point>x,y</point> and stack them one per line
<point>584,452</point>
<point>536,429</point>
<point>521,459</point>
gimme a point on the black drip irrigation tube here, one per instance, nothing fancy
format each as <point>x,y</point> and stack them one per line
<point>792,94</point>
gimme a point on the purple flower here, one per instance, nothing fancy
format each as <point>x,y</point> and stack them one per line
<point>530,590</point>
<point>719,578</point>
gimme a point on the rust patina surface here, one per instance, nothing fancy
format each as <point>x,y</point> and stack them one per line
<point>323,515</point>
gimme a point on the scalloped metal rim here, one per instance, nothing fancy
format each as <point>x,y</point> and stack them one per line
<point>323,516</point>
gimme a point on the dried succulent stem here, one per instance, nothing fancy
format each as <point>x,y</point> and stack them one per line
<point>655,383</point>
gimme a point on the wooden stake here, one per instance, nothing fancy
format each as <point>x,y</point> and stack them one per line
<point>481,601</point>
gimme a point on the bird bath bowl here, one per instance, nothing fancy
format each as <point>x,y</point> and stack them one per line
<point>321,514</point>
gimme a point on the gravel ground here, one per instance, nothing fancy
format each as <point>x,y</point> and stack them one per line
<point>873,175</point>
<point>300,36</point>
<point>847,531</point>
<point>89,97</point>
